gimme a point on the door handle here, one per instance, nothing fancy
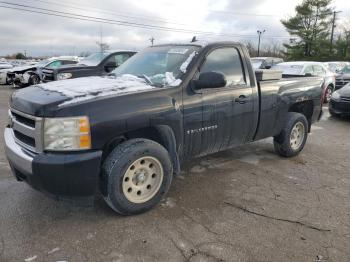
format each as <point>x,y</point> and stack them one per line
<point>241,99</point>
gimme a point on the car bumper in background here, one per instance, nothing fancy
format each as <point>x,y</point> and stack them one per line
<point>339,107</point>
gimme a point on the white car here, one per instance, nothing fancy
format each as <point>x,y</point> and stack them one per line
<point>336,67</point>
<point>303,68</point>
<point>5,65</point>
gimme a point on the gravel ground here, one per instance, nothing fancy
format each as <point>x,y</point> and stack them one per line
<point>245,204</point>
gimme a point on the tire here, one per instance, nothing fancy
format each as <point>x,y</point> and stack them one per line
<point>124,173</point>
<point>34,80</point>
<point>328,94</point>
<point>288,143</point>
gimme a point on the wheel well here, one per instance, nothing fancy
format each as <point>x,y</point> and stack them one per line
<point>160,134</point>
<point>306,108</point>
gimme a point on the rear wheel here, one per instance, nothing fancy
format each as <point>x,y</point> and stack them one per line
<point>328,94</point>
<point>138,174</point>
<point>291,141</point>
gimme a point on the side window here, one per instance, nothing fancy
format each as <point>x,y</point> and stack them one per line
<point>227,61</point>
<point>319,71</point>
<point>309,70</point>
<point>118,59</point>
<point>54,64</point>
<point>67,62</point>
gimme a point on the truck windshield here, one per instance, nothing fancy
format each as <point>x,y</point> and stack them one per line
<point>93,59</point>
<point>160,65</point>
<point>346,70</point>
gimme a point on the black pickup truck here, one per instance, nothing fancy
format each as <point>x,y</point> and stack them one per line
<point>125,135</point>
<point>97,64</point>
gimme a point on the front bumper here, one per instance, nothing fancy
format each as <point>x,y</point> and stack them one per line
<point>61,175</point>
<point>339,107</point>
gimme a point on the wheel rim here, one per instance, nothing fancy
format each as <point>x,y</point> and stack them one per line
<point>328,94</point>
<point>297,136</point>
<point>142,180</point>
<point>36,80</point>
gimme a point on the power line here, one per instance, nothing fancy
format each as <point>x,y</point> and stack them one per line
<point>57,13</point>
<point>104,11</point>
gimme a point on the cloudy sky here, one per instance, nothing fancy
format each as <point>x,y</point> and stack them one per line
<point>57,29</point>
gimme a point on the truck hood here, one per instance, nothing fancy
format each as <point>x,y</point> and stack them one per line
<point>40,99</point>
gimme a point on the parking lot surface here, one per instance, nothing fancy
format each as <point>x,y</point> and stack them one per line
<point>245,204</point>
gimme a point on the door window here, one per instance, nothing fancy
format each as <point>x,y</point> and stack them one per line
<point>54,64</point>
<point>309,70</point>
<point>227,61</point>
<point>118,59</point>
<point>319,71</point>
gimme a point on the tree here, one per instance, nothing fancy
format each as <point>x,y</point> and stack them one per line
<point>311,26</point>
<point>342,46</point>
<point>20,56</point>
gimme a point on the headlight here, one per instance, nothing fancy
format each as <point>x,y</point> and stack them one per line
<point>67,134</point>
<point>63,76</point>
<point>335,96</point>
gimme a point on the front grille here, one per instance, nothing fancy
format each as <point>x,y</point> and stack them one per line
<point>341,82</point>
<point>27,130</point>
<point>345,99</point>
<point>341,106</point>
<point>48,75</point>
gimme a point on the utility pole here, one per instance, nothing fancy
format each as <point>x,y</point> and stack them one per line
<point>152,40</point>
<point>260,34</point>
<point>333,27</point>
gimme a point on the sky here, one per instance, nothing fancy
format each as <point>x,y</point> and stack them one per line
<point>164,20</point>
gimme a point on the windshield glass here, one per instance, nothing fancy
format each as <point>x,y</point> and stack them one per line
<point>93,59</point>
<point>346,70</point>
<point>289,69</point>
<point>42,63</point>
<point>160,65</point>
<point>256,63</point>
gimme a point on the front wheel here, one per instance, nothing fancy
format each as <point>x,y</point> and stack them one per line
<point>34,80</point>
<point>138,174</point>
<point>291,141</point>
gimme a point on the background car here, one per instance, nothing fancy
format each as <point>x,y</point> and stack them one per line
<point>265,62</point>
<point>340,102</point>
<point>336,67</point>
<point>290,69</point>
<point>32,74</point>
<point>343,77</point>
<point>5,65</point>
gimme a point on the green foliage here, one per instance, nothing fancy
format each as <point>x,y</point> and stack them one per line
<point>311,26</point>
<point>20,56</point>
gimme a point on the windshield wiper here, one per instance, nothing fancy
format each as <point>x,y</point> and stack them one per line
<point>148,80</point>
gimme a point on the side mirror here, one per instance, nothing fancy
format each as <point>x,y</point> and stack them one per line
<point>110,66</point>
<point>268,67</point>
<point>308,75</point>
<point>210,80</point>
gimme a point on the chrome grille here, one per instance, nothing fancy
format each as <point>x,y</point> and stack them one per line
<point>27,130</point>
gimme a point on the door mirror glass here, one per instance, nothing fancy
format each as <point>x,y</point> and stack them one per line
<point>210,80</point>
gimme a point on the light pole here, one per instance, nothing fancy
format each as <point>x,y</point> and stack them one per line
<point>260,33</point>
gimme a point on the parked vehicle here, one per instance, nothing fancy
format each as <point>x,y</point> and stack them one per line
<point>130,132</point>
<point>97,64</point>
<point>32,74</point>
<point>343,77</point>
<point>265,62</point>
<point>340,102</point>
<point>336,67</point>
<point>3,77</point>
<point>293,69</point>
<point>5,65</point>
